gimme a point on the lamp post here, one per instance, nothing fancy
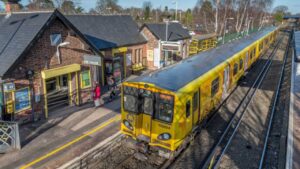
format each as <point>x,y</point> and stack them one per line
<point>176,5</point>
<point>57,49</point>
<point>225,29</point>
<point>250,19</point>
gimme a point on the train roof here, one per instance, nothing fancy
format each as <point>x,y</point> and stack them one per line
<point>297,43</point>
<point>176,76</point>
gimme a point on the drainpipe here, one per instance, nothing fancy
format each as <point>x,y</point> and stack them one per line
<point>1,98</point>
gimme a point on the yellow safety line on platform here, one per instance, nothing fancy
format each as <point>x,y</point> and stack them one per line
<point>116,118</point>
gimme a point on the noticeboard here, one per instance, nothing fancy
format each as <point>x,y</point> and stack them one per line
<point>22,99</point>
<point>7,87</point>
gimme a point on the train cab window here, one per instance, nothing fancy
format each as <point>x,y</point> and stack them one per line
<point>235,69</point>
<point>195,101</point>
<point>130,103</point>
<point>254,51</point>
<point>188,109</point>
<point>215,86</point>
<point>241,64</point>
<point>148,105</point>
<point>130,99</point>
<point>165,104</point>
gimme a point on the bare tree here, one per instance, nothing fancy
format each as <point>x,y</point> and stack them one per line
<point>107,6</point>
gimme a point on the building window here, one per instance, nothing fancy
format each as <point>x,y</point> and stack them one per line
<point>138,56</point>
<point>235,69</point>
<point>215,87</point>
<point>55,39</point>
<point>86,79</point>
<point>22,99</point>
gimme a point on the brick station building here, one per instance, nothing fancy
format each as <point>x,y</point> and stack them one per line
<point>165,50</point>
<point>44,62</point>
<point>118,38</point>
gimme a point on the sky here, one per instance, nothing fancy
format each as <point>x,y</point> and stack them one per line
<point>293,5</point>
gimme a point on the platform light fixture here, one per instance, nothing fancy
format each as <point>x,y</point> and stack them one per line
<point>57,50</point>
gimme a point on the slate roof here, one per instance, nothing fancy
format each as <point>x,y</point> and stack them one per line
<point>175,31</point>
<point>16,33</point>
<point>20,30</point>
<point>108,31</point>
<point>297,16</point>
<point>178,75</point>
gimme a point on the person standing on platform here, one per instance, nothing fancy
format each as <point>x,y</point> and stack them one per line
<point>97,95</point>
<point>112,86</point>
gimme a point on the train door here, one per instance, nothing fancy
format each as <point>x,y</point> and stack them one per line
<point>189,116</point>
<point>226,82</point>
<point>147,107</point>
<point>196,110</point>
<point>246,61</point>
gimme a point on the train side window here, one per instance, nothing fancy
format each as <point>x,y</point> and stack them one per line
<point>188,108</point>
<point>195,101</point>
<point>215,87</point>
<point>241,64</point>
<point>235,69</point>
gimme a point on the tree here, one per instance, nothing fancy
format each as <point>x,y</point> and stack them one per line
<point>147,9</point>
<point>107,6</point>
<point>69,6</point>
<point>188,18</point>
<point>279,12</point>
<point>40,4</point>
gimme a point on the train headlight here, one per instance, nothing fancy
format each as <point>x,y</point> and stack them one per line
<point>164,136</point>
<point>128,124</point>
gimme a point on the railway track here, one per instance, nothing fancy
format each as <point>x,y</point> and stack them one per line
<point>122,157</point>
<point>273,154</point>
<point>216,156</point>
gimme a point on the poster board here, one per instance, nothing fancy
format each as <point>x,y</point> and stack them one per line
<point>150,55</point>
<point>128,59</point>
<point>22,99</point>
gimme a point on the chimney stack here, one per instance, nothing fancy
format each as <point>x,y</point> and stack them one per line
<point>8,8</point>
<point>11,6</point>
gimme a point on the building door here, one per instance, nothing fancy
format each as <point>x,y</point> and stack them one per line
<point>57,89</point>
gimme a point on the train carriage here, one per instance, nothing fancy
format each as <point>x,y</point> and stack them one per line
<point>164,108</point>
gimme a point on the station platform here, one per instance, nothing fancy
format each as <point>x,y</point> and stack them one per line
<point>293,142</point>
<point>67,137</point>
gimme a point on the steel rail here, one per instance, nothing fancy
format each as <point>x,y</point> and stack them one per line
<point>274,105</point>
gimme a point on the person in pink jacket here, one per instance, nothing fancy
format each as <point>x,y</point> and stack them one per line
<point>97,94</point>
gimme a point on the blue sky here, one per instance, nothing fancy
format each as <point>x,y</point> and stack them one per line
<point>293,5</point>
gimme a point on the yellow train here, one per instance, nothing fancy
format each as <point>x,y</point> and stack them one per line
<point>162,110</point>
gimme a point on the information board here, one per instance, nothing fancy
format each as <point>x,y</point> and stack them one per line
<point>22,99</point>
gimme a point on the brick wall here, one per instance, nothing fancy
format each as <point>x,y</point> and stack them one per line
<point>152,43</point>
<point>42,56</point>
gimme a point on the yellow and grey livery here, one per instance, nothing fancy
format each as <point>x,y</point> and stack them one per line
<point>164,108</point>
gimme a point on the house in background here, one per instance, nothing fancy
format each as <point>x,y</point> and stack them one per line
<point>45,62</point>
<point>168,43</point>
<point>118,38</point>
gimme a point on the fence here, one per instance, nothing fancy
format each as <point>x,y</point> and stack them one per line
<point>9,136</point>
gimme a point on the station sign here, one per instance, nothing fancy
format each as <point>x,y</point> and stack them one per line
<point>92,60</point>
